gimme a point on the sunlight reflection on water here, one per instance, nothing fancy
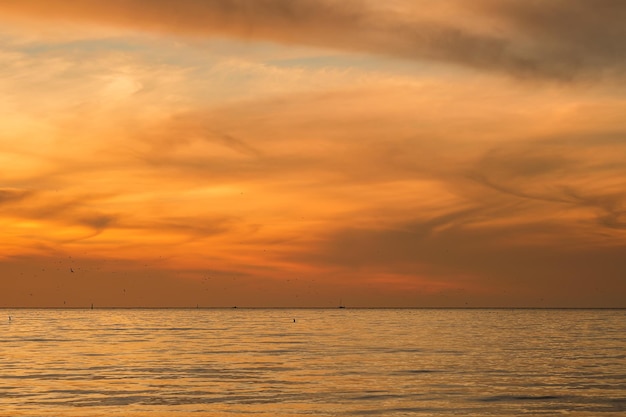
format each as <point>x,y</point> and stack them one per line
<point>327,363</point>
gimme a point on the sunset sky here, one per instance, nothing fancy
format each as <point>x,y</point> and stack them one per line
<point>300,153</point>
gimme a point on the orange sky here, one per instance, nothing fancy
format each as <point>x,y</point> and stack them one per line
<point>281,153</point>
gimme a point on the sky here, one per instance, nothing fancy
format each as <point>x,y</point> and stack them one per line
<point>278,153</point>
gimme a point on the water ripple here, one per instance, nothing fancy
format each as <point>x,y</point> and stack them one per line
<point>143,363</point>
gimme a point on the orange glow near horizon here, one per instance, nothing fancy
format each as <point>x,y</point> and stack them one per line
<point>295,154</point>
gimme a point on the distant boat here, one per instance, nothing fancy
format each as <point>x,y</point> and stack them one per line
<point>341,304</point>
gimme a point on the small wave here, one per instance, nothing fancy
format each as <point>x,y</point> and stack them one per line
<point>402,410</point>
<point>416,371</point>
<point>498,398</point>
<point>381,396</point>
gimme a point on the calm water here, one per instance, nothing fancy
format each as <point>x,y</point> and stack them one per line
<point>240,362</point>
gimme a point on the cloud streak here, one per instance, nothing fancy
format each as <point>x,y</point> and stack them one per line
<point>11,195</point>
<point>564,41</point>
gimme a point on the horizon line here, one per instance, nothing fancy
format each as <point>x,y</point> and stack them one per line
<point>302,308</point>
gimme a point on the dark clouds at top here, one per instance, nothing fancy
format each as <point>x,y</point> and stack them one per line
<point>558,40</point>
<point>572,36</point>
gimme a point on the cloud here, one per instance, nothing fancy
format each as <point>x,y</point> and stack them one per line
<point>611,206</point>
<point>497,261</point>
<point>189,126</point>
<point>563,40</point>
<point>559,174</point>
<point>574,24</point>
<point>376,179</point>
<point>582,35</point>
<point>11,195</point>
<point>40,207</point>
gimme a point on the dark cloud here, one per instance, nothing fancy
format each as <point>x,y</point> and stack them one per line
<point>611,207</point>
<point>560,40</point>
<point>548,173</point>
<point>512,171</point>
<point>193,226</point>
<point>565,36</point>
<point>46,281</point>
<point>518,271</point>
<point>539,218</point>
<point>596,27</point>
<point>153,280</point>
<point>70,211</point>
<point>12,195</point>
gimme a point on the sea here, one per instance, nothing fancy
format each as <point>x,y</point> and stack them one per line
<point>312,362</point>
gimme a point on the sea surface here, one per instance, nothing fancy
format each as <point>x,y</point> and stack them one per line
<point>337,362</point>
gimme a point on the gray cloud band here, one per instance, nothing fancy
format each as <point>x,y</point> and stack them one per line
<point>562,40</point>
